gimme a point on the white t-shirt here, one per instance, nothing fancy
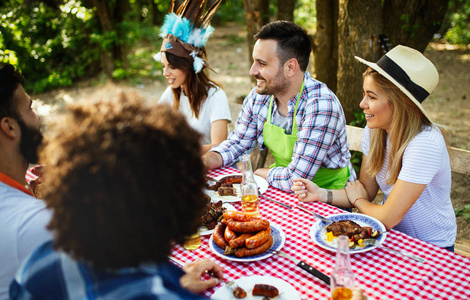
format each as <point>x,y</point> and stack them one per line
<point>23,221</point>
<point>425,161</point>
<point>214,108</point>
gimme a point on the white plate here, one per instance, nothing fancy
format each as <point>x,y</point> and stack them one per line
<point>279,239</point>
<point>318,231</point>
<point>286,291</point>
<point>203,229</point>
<point>260,181</point>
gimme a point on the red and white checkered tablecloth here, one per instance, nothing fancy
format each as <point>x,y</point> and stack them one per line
<point>380,273</point>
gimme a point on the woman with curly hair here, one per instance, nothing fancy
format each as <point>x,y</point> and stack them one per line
<point>405,154</point>
<point>184,60</point>
<point>125,182</point>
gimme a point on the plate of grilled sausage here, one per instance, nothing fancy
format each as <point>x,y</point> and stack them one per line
<point>355,225</point>
<point>228,189</point>
<point>243,238</point>
<point>258,287</point>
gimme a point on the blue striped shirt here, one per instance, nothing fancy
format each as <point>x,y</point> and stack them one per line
<point>322,140</point>
<point>48,274</point>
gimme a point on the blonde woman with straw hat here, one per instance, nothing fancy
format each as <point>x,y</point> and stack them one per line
<point>405,154</point>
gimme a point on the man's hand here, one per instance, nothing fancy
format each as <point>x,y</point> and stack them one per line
<point>212,160</point>
<point>192,280</point>
<point>262,172</point>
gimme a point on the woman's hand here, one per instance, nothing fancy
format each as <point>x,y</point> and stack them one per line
<point>355,190</point>
<point>192,280</point>
<point>306,190</point>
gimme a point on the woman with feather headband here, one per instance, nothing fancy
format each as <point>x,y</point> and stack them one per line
<point>183,57</point>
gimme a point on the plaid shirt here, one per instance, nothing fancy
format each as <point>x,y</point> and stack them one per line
<point>48,274</point>
<point>322,140</point>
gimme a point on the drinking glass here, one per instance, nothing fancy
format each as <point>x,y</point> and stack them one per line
<point>192,242</point>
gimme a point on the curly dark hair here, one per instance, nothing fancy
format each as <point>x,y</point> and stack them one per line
<point>124,180</point>
<point>292,41</point>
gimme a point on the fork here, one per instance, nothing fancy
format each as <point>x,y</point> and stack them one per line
<point>374,242</point>
<point>229,284</point>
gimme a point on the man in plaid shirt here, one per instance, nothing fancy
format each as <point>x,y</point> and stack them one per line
<point>297,117</point>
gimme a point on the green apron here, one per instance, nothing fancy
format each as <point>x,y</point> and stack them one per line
<point>282,148</point>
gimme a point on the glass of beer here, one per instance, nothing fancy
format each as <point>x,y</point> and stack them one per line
<point>193,241</point>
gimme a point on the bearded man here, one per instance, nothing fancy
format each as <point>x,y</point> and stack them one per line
<point>297,117</point>
<point>23,218</point>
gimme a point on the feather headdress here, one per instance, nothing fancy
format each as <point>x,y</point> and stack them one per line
<point>185,32</point>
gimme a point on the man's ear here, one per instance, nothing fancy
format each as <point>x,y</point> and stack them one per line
<point>10,127</point>
<point>291,66</point>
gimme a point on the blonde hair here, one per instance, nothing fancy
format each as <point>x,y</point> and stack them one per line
<point>407,121</point>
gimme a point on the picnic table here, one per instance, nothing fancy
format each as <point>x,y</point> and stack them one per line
<point>381,274</point>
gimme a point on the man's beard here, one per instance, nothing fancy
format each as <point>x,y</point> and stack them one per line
<point>31,139</point>
<point>278,85</point>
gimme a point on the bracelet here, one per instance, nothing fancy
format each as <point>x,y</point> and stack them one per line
<point>354,204</point>
<point>329,196</point>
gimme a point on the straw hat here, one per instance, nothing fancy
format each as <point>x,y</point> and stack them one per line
<point>409,70</point>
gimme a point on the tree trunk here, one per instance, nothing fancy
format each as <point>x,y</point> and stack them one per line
<point>285,10</point>
<point>413,22</point>
<point>106,24</point>
<point>325,48</point>
<point>358,34</point>
<point>120,47</point>
<point>256,15</point>
<point>157,16</point>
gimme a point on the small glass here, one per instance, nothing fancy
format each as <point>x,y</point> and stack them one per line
<point>192,242</point>
<point>342,278</point>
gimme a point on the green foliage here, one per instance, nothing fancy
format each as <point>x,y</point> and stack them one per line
<point>305,14</point>
<point>359,119</point>
<point>229,11</point>
<point>50,46</point>
<point>463,212</point>
<point>459,32</point>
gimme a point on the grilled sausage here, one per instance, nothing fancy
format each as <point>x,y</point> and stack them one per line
<point>239,241</point>
<point>265,290</point>
<point>247,227</point>
<point>234,179</point>
<point>229,234</point>
<point>243,252</point>
<point>258,239</point>
<point>239,216</point>
<point>218,236</point>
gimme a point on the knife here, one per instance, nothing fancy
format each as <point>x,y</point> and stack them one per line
<point>275,201</point>
<point>322,276</point>
<point>314,214</point>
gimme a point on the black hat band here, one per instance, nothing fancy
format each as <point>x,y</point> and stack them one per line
<point>402,78</point>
